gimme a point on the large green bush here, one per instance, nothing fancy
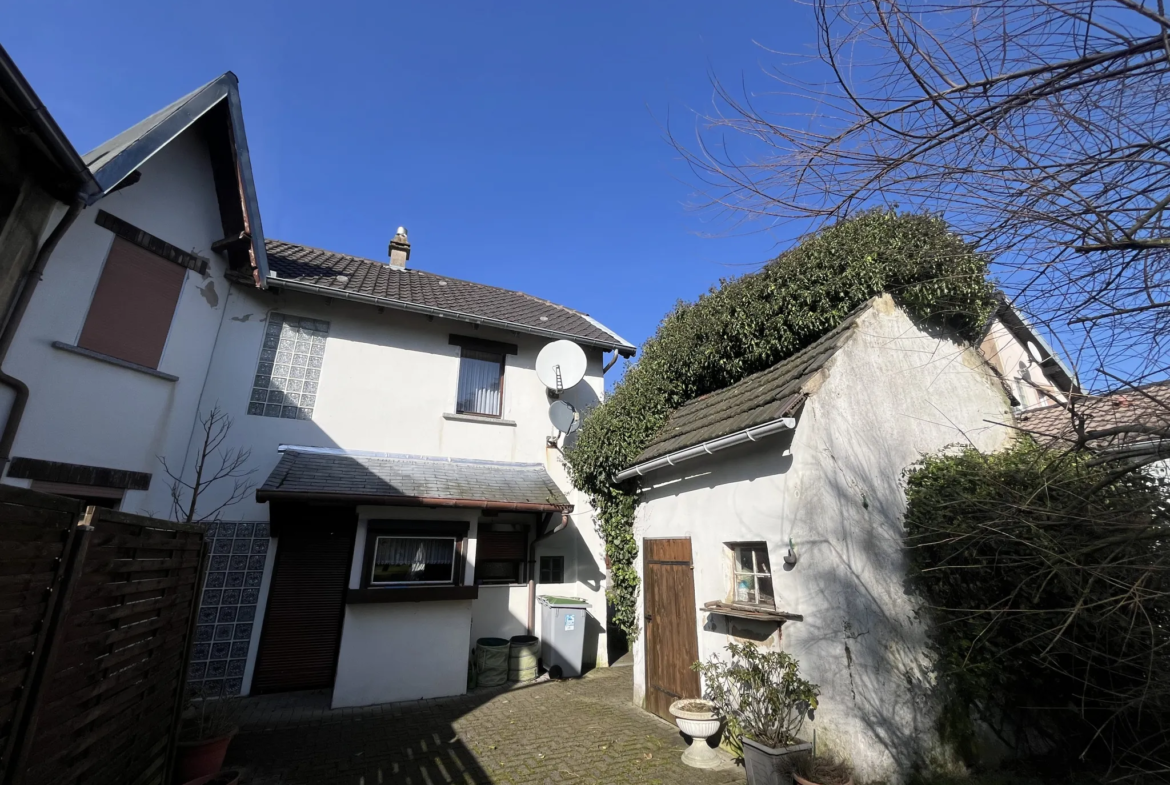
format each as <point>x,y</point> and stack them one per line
<point>1046,577</point>
<point>747,324</point>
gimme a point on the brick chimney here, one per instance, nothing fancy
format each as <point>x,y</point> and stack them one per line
<point>399,249</point>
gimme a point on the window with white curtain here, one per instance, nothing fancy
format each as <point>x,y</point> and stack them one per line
<point>413,560</point>
<point>481,383</point>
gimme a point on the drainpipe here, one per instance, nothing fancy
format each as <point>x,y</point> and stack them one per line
<point>532,565</point>
<point>26,292</point>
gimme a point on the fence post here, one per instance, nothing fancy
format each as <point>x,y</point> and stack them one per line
<point>72,568</point>
<point>181,692</point>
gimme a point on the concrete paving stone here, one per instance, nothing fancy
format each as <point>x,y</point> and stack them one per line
<point>581,731</point>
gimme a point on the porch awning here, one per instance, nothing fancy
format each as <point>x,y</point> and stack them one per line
<point>316,474</point>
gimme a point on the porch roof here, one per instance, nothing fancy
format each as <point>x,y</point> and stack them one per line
<point>322,474</point>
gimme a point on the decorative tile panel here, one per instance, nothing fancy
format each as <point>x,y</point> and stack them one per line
<point>228,610</point>
<point>289,368</point>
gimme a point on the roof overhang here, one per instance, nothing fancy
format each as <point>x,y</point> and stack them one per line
<point>707,448</point>
<point>51,155</point>
<point>622,348</point>
<point>1050,363</point>
<point>235,189</point>
<point>408,501</point>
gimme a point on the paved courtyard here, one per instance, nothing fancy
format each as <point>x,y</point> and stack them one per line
<point>581,731</point>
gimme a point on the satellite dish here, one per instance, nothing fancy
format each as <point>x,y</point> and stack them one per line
<point>564,416</point>
<point>560,365</point>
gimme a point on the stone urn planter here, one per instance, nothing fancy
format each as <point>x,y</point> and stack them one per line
<point>772,765</point>
<point>698,719</point>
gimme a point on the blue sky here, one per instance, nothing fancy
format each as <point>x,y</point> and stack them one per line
<point>521,145</point>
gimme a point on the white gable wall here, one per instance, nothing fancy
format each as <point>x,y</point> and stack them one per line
<point>89,412</point>
<point>835,488</point>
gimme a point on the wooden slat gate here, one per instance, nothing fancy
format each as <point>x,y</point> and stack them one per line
<point>672,642</point>
<point>97,610</point>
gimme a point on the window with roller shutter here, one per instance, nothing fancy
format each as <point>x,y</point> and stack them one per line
<point>133,305</point>
<point>500,557</point>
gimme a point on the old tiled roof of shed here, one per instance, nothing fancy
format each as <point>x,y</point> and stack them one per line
<point>1145,406</point>
<point>758,399</point>
<point>455,298</point>
<point>405,479</point>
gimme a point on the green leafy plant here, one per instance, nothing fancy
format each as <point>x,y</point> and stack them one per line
<point>747,324</point>
<point>761,693</point>
<point>1044,572</point>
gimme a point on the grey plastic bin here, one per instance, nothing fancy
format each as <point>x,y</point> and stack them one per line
<point>562,635</point>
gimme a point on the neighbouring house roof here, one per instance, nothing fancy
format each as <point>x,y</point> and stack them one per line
<point>300,267</point>
<point>411,480</point>
<point>218,103</point>
<point>1060,375</point>
<point>1147,406</point>
<point>45,148</point>
<point>758,399</point>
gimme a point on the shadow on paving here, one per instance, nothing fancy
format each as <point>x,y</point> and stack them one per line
<point>582,730</point>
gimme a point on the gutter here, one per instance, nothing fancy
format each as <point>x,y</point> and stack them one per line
<point>31,279</point>
<point>47,131</point>
<point>390,500</point>
<point>708,447</point>
<point>625,350</point>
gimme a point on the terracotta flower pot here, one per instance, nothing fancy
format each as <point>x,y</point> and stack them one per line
<point>219,778</point>
<point>195,759</point>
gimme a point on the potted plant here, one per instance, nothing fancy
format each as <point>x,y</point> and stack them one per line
<point>207,728</point>
<point>822,770</point>
<point>700,720</point>
<point>766,702</point>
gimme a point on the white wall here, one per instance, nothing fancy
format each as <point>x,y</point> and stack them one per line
<point>835,487</point>
<point>1013,359</point>
<point>88,412</point>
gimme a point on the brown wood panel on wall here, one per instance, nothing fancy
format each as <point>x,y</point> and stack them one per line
<point>306,600</point>
<point>672,642</point>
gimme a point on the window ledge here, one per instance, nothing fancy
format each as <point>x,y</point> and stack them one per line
<point>478,418</point>
<point>105,358</point>
<point>411,594</point>
<point>746,612</point>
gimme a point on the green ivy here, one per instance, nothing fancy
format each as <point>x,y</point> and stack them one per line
<point>747,324</point>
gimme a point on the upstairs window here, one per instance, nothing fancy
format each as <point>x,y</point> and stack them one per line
<point>289,369</point>
<point>481,376</point>
<point>752,581</point>
<point>133,305</point>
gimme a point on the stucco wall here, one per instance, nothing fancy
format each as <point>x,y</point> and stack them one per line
<point>834,486</point>
<point>1020,369</point>
<point>84,411</point>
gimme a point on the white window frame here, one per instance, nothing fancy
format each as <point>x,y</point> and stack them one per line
<point>756,573</point>
<point>453,581</point>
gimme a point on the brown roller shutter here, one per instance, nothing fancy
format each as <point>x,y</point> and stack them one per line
<point>501,546</point>
<point>306,607</point>
<point>132,308</point>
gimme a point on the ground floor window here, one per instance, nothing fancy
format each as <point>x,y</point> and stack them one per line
<point>552,569</point>
<point>501,555</point>
<point>753,576</point>
<point>413,560</point>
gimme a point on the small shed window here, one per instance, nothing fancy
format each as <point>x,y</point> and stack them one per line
<point>413,560</point>
<point>753,575</point>
<point>552,569</point>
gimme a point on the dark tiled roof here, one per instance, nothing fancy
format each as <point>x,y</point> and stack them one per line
<point>381,478</point>
<point>758,399</point>
<point>458,299</point>
<point>1149,406</point>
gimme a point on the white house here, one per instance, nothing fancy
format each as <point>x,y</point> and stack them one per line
<point>771,512</point>
<point>399,437</point>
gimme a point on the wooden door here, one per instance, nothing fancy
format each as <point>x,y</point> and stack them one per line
<point>672,642</point>
<point>306,606</point>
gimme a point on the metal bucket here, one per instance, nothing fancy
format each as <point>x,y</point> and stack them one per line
<point>522,656</point>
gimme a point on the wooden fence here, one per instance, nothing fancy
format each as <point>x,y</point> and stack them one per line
<point>97,611</point>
